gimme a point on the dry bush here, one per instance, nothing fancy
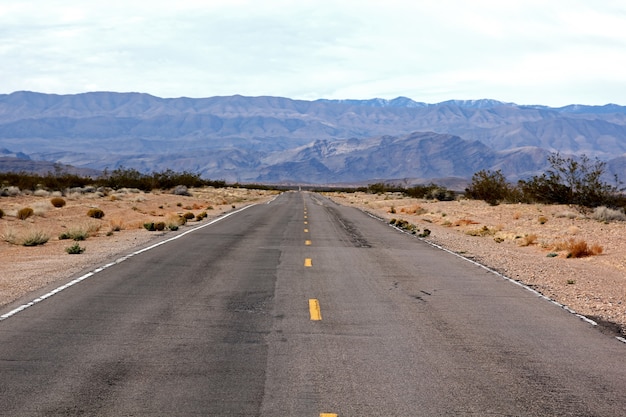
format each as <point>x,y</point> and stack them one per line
<point>605,214</point>
<point>542,219</point>
<point>1,213</point>
<point>41,193</point>
<point>57,202</point>
<point>517,215</point>
<point>35,238</point>
<point>573,230</point>
<point>24,213</point>
<point>578,248</point>
<point>483,231</point>
<point>567,215</point>
<point>116,224</point>
<point>414,209</point>
<point>40,208</point>
<point>465,222</point>
<point>529,239</point>
<point>96,213</point>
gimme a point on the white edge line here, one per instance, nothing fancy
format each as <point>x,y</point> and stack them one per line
<point>526,287</point>
<point>120,260</point>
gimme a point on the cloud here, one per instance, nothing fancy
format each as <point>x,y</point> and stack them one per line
<point>551,53</point>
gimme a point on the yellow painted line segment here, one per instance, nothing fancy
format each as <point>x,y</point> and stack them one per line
<point>307,242</point>
<point>314,309</point>
<point>328,415</point>
<point>306,222</point>
<point>306,230</point>
<point>308,262</point>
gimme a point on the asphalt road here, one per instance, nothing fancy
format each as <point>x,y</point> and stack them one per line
<point>303,308</point>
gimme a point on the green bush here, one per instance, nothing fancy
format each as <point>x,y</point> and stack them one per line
<point>75,249</point>
<point>74,234</point>
<point>189,215</point>
<point>24,213</point>
<point>489,186</point>
<point>149,226</point>
<point>96,213</point>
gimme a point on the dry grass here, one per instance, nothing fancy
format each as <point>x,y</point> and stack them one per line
<point>578,248</point>
<point>465,222</point>
<point>414,209</point>
<point>529,239</point>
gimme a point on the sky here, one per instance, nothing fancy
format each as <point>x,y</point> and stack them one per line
<point>550,52</point>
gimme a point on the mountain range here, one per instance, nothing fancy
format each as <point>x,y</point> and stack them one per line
<point>281,140</point>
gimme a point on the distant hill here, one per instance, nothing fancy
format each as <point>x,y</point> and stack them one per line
<point>270,139</point>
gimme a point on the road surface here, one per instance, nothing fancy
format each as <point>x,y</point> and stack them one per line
<point>301,307</point>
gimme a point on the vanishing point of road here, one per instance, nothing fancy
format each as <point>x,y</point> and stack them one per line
<point>301,307</point>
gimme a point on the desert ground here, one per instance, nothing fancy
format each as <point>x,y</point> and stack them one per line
<point>527,243</point>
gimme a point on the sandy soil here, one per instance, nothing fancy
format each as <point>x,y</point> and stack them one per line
<point>524,242</point>
<point>519,241</point>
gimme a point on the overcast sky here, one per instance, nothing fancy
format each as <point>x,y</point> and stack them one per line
<point>551,52</point>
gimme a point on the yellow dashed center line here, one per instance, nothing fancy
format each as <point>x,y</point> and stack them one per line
<point>306,230</point>
<point>314,309</point>
<point>307,242</point>
<point>306,222</point>
<point>308,262</point>
<point>328,415</point>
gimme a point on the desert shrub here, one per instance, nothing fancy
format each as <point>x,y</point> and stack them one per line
<point>35,238</point>
<point>605,214</point>
<point>11,191</point>
<point>465,222</point>
<point>159,226</point>
<point>189,215</point>
<point>528,240</point>
<point>483,231</point>
<point>578,248</point>
<point>441,194</point>
<point>41,193</point>
<point>571,181</point>
<point>542,219</point>
<point>201,216</point>
<point>489,186</point>
<point>1,213</point>
<point>96,213</point>
<point>57,202</point>
<point>74,234</point>
<point>25,213</point>
<point>116,225</point>
<point>172,226</point>
<point>149,226</point>
<point>425,233</point>
<point>75,249</point>
<point>181,190</point>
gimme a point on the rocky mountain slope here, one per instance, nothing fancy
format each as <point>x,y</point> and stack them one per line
<point>277,139</point>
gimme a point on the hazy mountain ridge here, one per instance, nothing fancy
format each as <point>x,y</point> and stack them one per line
<point>280,139</point>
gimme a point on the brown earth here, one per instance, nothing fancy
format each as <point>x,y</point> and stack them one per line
<point>520,241</point>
